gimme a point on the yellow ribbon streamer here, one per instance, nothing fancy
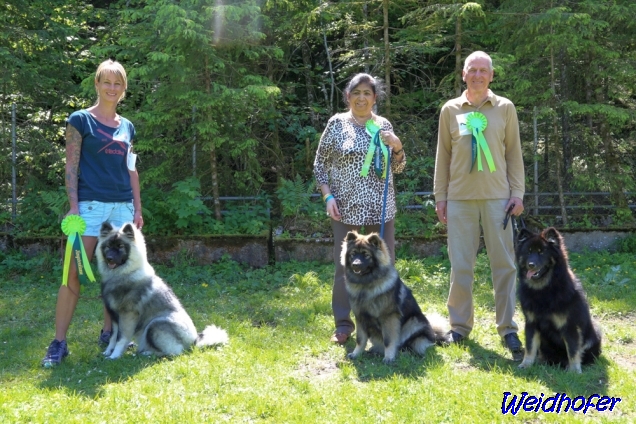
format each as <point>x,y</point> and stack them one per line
<point>74,226</point>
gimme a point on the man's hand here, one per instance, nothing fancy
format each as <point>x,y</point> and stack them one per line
<point>440,210</point>
<point>517,204</point>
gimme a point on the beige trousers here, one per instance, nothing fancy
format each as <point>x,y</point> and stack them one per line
<point>464,218</point>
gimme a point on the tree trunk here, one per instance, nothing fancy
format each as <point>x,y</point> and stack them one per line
<point>458,56</point>
<point>612,163</point>
<point>387,54</point>
<point>279,158</point>
<point>333,84</point>
<point>566,137</point>
<point>555,136</point>
<point>215,183</point>
<point>308,84</point>
<point>365,54</point>
<point>310,101</point>
<point>213,164</point>
<point>588,98</point>
<point>535,163</point>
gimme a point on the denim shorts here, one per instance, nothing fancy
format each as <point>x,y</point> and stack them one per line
<point>95,213</point>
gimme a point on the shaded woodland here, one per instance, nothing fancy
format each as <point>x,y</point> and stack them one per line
<point>229,97</point>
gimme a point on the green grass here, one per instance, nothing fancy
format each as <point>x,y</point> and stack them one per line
<point>279,366</point>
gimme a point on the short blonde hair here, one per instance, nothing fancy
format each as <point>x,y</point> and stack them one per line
<point>114,67</point>
<point>475,55</point>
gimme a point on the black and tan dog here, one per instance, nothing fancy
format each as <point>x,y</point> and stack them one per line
<point>559,328</point>
<point>384,307</point>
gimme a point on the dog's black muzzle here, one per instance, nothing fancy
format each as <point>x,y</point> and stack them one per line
<point>535,271</point>
<point>359,266</point>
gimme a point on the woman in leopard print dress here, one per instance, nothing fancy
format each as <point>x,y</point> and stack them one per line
<point>352,200</point>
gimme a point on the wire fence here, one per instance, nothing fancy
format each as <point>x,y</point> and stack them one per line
<point>598,202</point>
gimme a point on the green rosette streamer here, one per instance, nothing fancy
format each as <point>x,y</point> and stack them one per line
<point>374,131</point>
<point>74,226</point>
<point>476,123</point>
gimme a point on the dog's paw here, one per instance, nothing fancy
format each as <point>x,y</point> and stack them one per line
<point>575,368</point>
<point>525,364</point>
<point>107,352</point>
<point>356,352</point>
<point>388,360</point>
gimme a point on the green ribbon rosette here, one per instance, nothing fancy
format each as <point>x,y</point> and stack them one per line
<point>376,149</point>
<point>476,123</point>
<point>74,226</point>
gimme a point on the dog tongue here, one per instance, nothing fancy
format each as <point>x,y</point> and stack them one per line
<point>112,265</point>
<point>530,273</point>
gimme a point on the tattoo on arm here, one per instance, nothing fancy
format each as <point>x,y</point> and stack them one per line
<point>73,150</point>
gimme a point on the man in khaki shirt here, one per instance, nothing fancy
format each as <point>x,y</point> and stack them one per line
<point>467,196</point>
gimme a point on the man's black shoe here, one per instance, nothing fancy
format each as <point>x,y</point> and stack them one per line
<point>454,337</point>
<point>512,342</point>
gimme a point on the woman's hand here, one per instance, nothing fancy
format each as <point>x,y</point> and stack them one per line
<point>138,220</point>
<point>72,211</point>
<point>390,139</point>
<point>332,209</point>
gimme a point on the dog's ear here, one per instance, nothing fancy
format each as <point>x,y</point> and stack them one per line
<point>129,230</point>
<point>524,234</point>
<point>375,240</point>
<point>552,236</point>
<point>105,229</point>
<point>351,235</point>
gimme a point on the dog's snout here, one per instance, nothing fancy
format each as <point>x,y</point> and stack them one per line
<point>356,264</point>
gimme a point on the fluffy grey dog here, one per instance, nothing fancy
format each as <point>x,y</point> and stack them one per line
<point>384,307</point>
<point>140,303</point>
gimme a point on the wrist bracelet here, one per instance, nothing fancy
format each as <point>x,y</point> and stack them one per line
<point>327,197</point>
<point>399,151</point>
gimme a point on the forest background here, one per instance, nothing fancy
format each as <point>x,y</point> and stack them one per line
<point>229,99</point>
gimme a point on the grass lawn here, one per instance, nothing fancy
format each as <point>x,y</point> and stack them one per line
<point>279,366</point>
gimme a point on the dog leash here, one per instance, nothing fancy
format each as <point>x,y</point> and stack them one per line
<point>516,221</point>
<point>386,193</point>
<point>377,149</point>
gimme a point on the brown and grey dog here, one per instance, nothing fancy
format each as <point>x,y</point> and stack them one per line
<point>384,307</point>
<point>559,328</point>
<point>140,303</point>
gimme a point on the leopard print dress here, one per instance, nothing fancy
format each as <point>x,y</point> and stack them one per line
<point>339,159</point>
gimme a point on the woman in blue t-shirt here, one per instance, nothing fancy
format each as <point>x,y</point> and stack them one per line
<point>102,184</point>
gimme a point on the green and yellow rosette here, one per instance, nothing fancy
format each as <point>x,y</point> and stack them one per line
<point>74,226</point>
<point>476,123</point>
<point>376,149</point>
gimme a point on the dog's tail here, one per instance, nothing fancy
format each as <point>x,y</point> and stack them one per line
<point>440,327</point>
<point>212,335</point>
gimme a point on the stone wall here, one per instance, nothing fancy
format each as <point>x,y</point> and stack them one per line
<point>198,250</point>
<point>258,251</point>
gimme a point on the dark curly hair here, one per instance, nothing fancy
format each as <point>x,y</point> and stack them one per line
<point>376,85</point>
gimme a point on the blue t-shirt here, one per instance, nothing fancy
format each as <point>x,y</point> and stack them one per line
<point>103,172</point>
